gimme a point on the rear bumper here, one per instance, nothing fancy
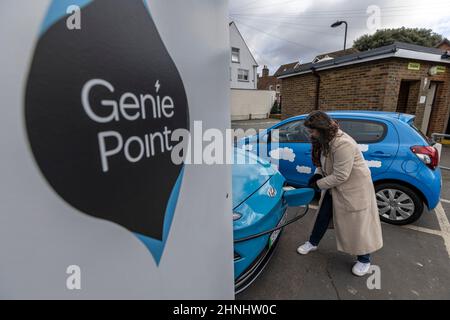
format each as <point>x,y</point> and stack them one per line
<point>432,181</point>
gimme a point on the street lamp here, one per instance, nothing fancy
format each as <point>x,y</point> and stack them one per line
<point>337,24</point>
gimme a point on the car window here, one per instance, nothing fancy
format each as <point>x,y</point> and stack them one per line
<point>430,141</point>
<point>363,131</point>
<point>294,131</point>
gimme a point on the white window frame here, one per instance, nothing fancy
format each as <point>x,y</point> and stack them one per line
<point>241,75</point>
<point>235,52</point>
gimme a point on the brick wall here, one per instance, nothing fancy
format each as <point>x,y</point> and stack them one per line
<point>413,97</point>
<point>353,87</point>
<point>440,112</point>
<point>368,86</point>
<point>298,95</point>
<point>398,71</point>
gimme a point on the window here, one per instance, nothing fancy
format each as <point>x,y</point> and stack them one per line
<point>235,55</point>
<point>242,75</point>
<point>421,133</point>
<point>363,131</point>
<point>278,88</point>
<point>294,131</point>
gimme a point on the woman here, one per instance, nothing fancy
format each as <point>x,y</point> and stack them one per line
<point>348,195</point>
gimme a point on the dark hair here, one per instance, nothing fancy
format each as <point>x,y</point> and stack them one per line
<point>327,128</point>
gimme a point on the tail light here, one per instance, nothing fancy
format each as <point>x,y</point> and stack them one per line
<point>427,154</point>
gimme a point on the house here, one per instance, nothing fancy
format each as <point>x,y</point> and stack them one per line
<point>400,77</point>
<point>243,66</point>
<point>285,67</point>
<point>272,83</point>
<point>247,102</point>
<point>444,45</point>
<point>334,55</point>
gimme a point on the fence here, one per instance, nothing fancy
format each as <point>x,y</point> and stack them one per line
<point>438,138</point>
<point>251,104</point>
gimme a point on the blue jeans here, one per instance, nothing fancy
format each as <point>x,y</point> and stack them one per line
<point>323,220</point>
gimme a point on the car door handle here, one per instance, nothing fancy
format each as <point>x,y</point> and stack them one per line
<point>380,155</point>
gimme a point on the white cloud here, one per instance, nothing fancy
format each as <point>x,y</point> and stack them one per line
<point>303,169</point>
<point>363,147</point>
<point>374,164</point>
<point>283,154</point>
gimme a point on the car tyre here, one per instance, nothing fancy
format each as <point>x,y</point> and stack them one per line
<point>398,204</point>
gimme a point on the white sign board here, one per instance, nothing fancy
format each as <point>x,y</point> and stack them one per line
<point>91,203</point>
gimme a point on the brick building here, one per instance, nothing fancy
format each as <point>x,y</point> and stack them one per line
<point>444,45</point>
<point>266,81</point>
<point>399,77</point>
<point>272,83</point>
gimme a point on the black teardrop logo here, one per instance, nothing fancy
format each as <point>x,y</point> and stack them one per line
<point>100,105</point>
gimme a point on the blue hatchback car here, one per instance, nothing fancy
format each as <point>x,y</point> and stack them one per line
<point>403,162</point>
<point>260,200</point>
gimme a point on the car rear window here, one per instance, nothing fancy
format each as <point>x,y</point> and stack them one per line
<point>428,140</point>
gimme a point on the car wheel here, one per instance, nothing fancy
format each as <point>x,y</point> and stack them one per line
<point>397,204</point>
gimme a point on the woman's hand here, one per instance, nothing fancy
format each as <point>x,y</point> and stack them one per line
<point>312,183</point>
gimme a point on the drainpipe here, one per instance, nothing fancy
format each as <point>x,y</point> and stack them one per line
<point>317,75</point>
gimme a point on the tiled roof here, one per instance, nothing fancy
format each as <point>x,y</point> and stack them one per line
<point>285,67</point>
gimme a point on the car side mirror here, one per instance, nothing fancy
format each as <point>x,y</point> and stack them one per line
<point>298,197</point>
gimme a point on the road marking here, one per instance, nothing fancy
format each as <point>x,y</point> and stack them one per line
<point>425,230</point>
<point>444,224</point>
<point>312,206</point>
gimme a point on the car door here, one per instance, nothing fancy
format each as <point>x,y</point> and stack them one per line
<point>290,149</point>
<point>377,139</point>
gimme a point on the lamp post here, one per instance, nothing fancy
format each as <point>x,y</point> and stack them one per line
<point>337,24</point>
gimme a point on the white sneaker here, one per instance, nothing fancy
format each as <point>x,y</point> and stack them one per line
<point>306,248</point>
<point>360,269</point>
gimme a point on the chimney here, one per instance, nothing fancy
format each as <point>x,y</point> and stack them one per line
<point>265,71</point>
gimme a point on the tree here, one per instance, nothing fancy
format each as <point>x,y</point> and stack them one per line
<point>276,108</point>
<point>384,37</point>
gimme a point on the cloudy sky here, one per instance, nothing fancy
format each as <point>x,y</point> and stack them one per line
<point>283,31</point>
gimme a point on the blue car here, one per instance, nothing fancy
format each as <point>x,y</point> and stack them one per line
<point>403,162</point>
<point>260,200</point>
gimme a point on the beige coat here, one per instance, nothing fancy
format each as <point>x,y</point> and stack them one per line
<point>355,212</point>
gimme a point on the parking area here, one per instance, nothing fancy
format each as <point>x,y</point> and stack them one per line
<point>414,262</point>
